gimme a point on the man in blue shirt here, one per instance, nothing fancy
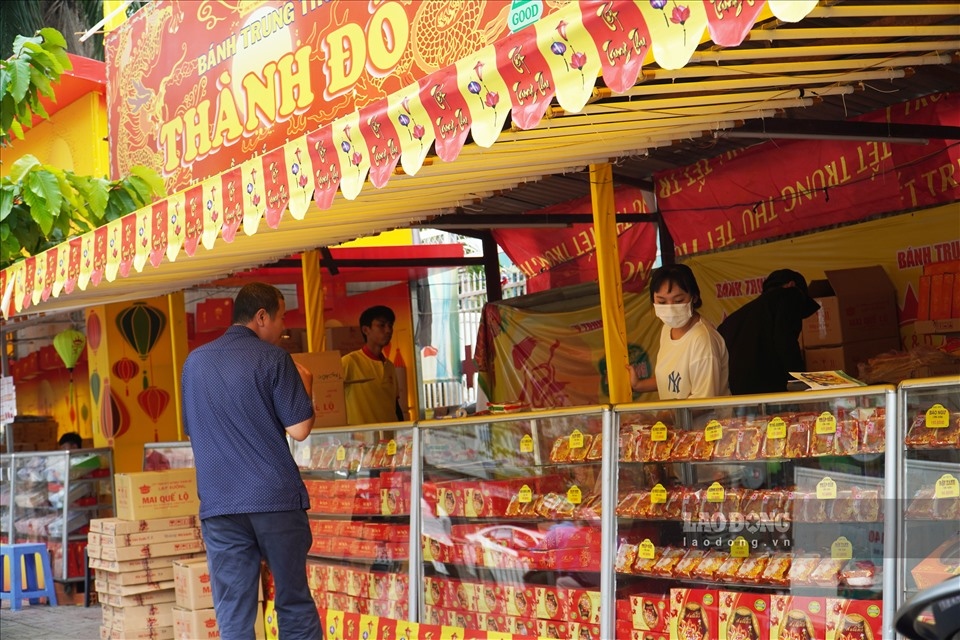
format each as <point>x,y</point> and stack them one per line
<point>242,395</point>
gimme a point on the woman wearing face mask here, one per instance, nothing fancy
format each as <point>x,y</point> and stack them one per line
<point>692,360</point>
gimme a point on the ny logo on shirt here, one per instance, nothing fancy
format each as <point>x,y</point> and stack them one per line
<point>674,381</point>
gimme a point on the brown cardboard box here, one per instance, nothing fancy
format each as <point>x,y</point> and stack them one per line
<point>147,537</point>
<point>118,526</point>
<point>847,356</point>
<point>163,596</point>
<point>133,589</point>
<point>328,399</point>
<point>142,617</point>
<point>157,494</point>
<point>156,550</point>
<point>124,566</point>
<point>135,577</point>
<point>108,632</point>
<point>202,623</point>
<point>191,580</point>
<point>855,305</point>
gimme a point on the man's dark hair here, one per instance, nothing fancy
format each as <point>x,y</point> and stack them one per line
<point>253,297</point>
<point>679,275</point>
<point>782,277</point>
<point>379,312</point>
<point>71,437</point>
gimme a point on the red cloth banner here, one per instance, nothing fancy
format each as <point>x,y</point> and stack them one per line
<point>556,257</point>
<point>780,187</point>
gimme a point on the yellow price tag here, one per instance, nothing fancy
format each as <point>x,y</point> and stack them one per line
<point>525,495</point>
<point>658,495</point>
<point>713,431</point>
<point>341,454</point>
<point>715,492</point>
<point>658,433</point>
<point>646,550</point>
<point>776,429</point>
<point>826,423</point>
<point>576,439</point>
<point>938,417</point>
<point>392,448</point>
<point>574,495</point>
<point>946,487</point>
<point>526,444</point>
<point>841,549</point>
<point>739,548</point>
<point>826,489</point>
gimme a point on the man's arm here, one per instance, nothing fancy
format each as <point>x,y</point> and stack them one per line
<point>301,430</point>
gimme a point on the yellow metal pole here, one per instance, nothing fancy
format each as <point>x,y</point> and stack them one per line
<point>313,300</point>
<point>611,285</point>
<point>177,317</point>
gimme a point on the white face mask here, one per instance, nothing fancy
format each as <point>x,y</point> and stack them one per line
<point>674,315</point>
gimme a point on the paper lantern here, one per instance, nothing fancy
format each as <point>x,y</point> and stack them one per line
<point>69,344</point>
<point>153,401</point>
<point>141,326</point>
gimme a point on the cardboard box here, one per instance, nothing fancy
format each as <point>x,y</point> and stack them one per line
<point>694,608</point>
<point>157,494</point>
<point>118,526</point>
<point>791,614</point>
<point>848,356</point>
<point>854,618</point>
<point>139,599</point>
<point>191,579</point>
<point>855,305</point>
<point>135,577</point>
<point>344,339</point>
<point>744,615</point>
<point>133,589</point>
<point>145,564</point>
<point>109,632</point>
<point>940,565</point>
<point>649,612</point>
<point>148,537</point>
<point>329,404</point>
<point>143,617</point>
<point>156,550</point>
<point>583,605</point>
<point>198,624</point>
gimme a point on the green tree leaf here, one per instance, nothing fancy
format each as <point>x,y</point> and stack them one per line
<point>53,37</point>
<point>44,199</point>
<point>19,78</point>
<point>24,165</point>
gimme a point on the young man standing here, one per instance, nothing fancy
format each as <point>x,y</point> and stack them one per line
<point>242,396</point>
<point>370,379</point>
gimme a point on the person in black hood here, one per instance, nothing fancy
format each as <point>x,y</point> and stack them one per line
<point>762,336</point>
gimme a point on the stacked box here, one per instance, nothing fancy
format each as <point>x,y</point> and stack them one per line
<point>193,614</point>
<point>133,569</point>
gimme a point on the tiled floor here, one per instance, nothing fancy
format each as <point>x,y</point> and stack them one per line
<point>40,622</point>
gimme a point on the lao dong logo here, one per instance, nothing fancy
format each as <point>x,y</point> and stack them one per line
<point>752,523</point>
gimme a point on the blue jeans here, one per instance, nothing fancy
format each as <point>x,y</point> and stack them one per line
<point>235,545</point>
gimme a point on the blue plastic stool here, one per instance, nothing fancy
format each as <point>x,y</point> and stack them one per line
<point>11,555</point>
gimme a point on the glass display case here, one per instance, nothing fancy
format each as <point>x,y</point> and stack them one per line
<point>52,497</point>
<point>929,489</point>
<point>359,482</point>
<point>511,522</point>
<point>158,456</point>
<point>739,515</point>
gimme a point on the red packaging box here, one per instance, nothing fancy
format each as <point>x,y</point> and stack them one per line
<point>649,612</point>
<point>435,591</point>
<point>581,631</point>
<point>521,601</point>
<point>553,629</point>
<point>854,619</point>
<point>490,598</point>
<point>399,584</point>
<point>357,583</point>
<point>450,499</point>
<point>460,596</point>
<point>694,610</point>
<point>637,634</point>
<point>522,626</point>
<point>583,606</point>
<point>495,622</point>
<point>382,608</point>
<point>378,586</point>
<point>789,614</point>
<point>462,619</point>
<point>622,609</point>
<point>744,615</point>
<point>434,615</point>
<point>551,603</point>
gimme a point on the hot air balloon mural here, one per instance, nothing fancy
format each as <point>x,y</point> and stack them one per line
<point>153,401</point>
<point>126,369</point>
<point>141,326</point>
<point>114,416</point>
<point>69,344</point>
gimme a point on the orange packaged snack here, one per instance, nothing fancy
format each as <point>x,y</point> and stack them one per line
<point>919,435</point>
<point>752,504</point>
<point>801,567</point>
<point>686,444</point>
<point>626,556</point>
<point>752,568</point>
<point>596,448</point>
<point>690,506</point>
<point>702,449</point>
<point>748,443</point>
<point>673,508</point>
<point>662,450</point>
<point>921,505</point>
<point>726,447</point>
<point>844,507</point>
<point>866,504</point>
<point>847,440</point>
<point>644,566</point>
<point>627,506</point>
<point>668,561</point>
<point>774,447</point>
<point>810,508</point>
<point>798,440</point>
<point>728,569</point>
<point>688,563</point>
<point>579,454</point>
<point>827,573</point>
<point>872,432</point>
<point>707,568</point>
<point>821,444</point>
<point>588,509</point>
<point>772,505</point>
<point>561,450</point>
<point>626,445</point>
<point>777,569</point>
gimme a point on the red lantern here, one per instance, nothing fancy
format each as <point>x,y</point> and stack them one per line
<point>126,369</point>
<point>94,331</point>
<point>153,401</point>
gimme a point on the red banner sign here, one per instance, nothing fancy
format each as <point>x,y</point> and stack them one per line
<point>775,189</point>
